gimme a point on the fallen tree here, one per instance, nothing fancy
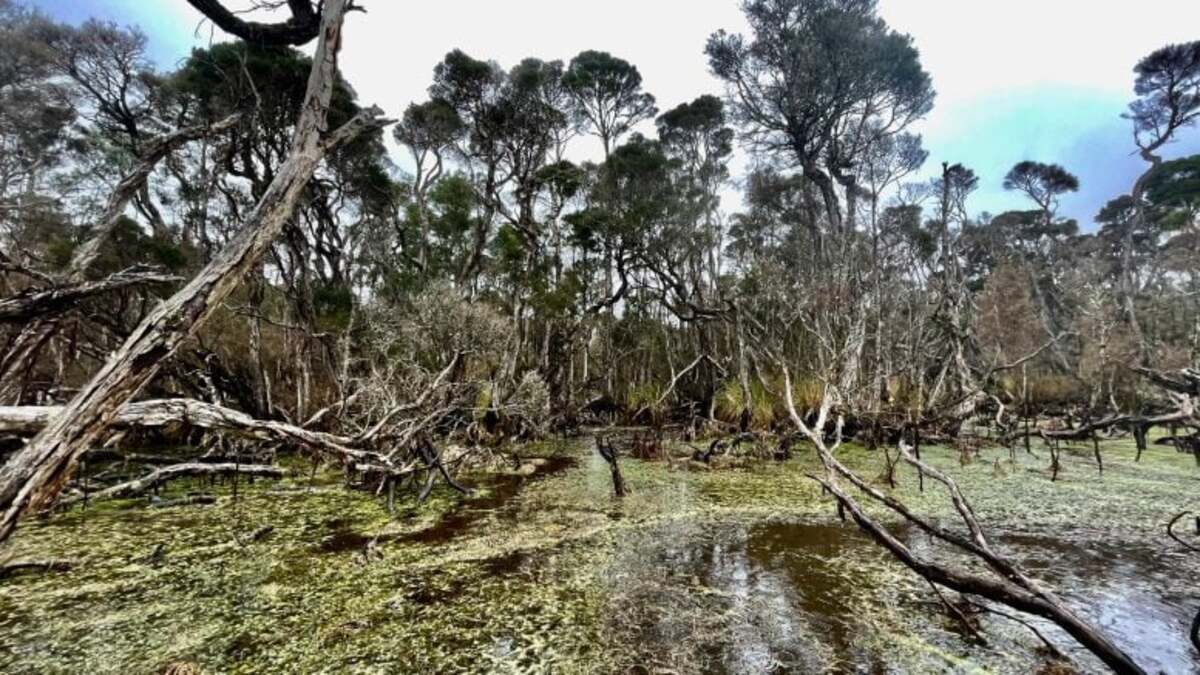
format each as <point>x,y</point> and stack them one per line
<point>161,476</point>
<point>1008,584</point>
<point>33,478</point>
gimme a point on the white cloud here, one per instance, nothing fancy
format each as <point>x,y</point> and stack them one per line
<point>1016,79</point>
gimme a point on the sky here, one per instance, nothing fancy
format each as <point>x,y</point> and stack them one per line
<point>1045,80</point>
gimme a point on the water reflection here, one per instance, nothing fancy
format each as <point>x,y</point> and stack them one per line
<point>791,597</point>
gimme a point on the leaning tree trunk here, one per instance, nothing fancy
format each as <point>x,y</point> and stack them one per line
<point>35,476</point>
<point>24,349</point>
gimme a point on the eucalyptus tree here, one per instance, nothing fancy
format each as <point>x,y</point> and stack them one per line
<point>1173,197</point>
<point>1044,184</point>
<point>697,136</point>
<point>1167,85</point>
<point>817,83</point>
<point>607,93</point>
<point>428,130</point>
<point>473,88</point>
<point>1040,239</point>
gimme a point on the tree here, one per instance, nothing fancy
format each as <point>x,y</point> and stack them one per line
<point>607,92</point>
<point>428,130</point>
<point>33,477</point>
<point>1042,183</point>
<point>1039,238</point>
<point>816,84</point>
<point>1168,90</point>
<point>697,136</point>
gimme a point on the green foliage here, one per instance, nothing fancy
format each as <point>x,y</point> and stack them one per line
<point>607,91</point>
<point>732,404</point>
<point>334,305</point>
<point>644,398</point>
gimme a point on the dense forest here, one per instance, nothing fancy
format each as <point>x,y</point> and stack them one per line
<point>219,278</point>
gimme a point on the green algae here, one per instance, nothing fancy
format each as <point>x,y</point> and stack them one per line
<point>737,570</point>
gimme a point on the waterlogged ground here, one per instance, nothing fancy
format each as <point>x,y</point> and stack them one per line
<point>740,570</point>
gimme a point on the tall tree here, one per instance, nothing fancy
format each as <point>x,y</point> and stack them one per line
<point>1167,84</point>
<point>818,82</point>
<point>608,93</point>
<point>428,130</point>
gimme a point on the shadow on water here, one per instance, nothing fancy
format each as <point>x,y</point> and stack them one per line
<point>788,597</point>
<point>495,497</point>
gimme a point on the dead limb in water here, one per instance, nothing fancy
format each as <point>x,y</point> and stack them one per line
<point>1176,537</point>
<point>14,567</point>
<point>1009,584</point>
<point>609,454</point>
<point>158,477</point>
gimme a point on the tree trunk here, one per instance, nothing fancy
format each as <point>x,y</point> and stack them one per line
<point>34,477</point>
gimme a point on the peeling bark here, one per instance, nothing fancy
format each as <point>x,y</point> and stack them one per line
<point>55,300</point>
<point>34,477</point>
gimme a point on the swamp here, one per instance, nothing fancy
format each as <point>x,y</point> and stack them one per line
<point>743,568</point>
<point>788,336</point>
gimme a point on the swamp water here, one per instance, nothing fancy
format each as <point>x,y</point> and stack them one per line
<point>742,570</point>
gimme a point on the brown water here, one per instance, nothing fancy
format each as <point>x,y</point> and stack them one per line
<point>785,597</point>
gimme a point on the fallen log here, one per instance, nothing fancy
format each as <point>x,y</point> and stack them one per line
<point>164,412</point>
<point>140,486</point>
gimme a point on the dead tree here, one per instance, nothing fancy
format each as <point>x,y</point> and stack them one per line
<point>165,474</point>
<point>34,477</point>
<point>609,454</point>
<point>1008,585</point>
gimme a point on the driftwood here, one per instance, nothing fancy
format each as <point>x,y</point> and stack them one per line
<point>158,477</point>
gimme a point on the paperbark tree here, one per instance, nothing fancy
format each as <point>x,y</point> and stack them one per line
<point>34,476</point>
